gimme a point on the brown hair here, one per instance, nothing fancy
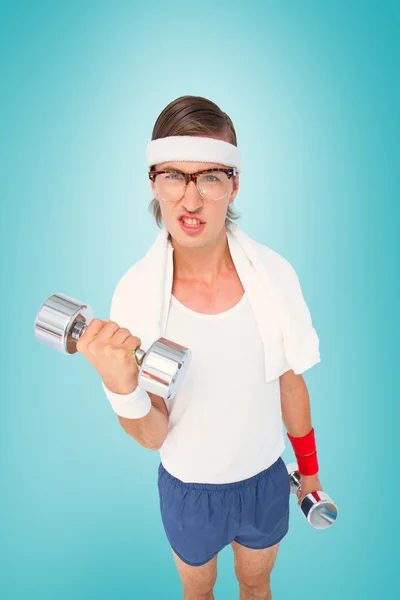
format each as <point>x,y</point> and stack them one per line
<point>193,115</point>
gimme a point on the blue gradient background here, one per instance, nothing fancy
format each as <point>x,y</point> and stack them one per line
<point>313,91</point>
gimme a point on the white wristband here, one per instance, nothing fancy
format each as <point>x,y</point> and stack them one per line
<point>131,406</point>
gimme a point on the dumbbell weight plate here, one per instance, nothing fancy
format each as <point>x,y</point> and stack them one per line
<point>164,368</point>
<point>57,320</point>
<point>317,507</point>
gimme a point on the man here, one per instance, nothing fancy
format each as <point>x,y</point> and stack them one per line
<point>221,478</point>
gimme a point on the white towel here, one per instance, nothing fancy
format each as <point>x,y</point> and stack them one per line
<point>142,298</point>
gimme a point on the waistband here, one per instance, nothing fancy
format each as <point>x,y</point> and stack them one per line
<point>235,485</point>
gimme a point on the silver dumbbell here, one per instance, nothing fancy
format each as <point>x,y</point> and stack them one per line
<point>62,320</point>
<point>317,507</point>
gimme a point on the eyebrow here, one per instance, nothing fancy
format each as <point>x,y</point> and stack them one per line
<point>170,168</point>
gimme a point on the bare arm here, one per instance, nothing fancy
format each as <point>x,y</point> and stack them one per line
<point>151,430</point>
<point>295,404</point>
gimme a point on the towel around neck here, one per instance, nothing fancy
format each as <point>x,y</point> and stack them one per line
<point>142,298</point>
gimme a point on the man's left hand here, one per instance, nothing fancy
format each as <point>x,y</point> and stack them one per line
<point>309,483</point>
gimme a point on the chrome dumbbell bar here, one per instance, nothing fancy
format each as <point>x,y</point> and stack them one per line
<point>62,320</point>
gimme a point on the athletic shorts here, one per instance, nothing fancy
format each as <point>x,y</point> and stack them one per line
<point>200,519</point>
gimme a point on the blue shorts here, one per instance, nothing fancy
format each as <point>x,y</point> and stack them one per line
<point>200,519</point>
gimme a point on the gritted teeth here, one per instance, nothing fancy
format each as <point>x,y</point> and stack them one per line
<point>191,221</point>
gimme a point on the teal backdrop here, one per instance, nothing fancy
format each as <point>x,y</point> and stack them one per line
<point>313,91</point>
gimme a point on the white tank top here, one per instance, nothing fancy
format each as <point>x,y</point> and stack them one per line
<point>225,422</point>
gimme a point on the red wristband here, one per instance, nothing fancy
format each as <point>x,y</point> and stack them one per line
<point>308,465</point>
<point>303,445</point>
<point>306,453</point>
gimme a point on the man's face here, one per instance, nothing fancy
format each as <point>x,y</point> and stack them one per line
<point>212,212</point>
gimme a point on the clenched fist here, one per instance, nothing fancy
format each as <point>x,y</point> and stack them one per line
<point>110,349</point>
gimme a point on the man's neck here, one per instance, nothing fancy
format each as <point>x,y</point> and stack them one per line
<point>204,264</point>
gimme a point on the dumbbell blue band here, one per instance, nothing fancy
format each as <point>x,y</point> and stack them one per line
<point>131,406</point>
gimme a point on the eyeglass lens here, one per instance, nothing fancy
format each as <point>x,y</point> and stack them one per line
<point>213,185</point>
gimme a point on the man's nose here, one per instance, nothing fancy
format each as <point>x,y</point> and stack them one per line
<point>192,199</point>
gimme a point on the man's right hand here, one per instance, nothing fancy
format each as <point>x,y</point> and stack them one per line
<point>110,349</point>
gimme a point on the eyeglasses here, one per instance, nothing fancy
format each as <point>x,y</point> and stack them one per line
<point>212,184</point>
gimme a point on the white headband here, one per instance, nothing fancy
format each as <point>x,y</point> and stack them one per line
<point>194,148</point>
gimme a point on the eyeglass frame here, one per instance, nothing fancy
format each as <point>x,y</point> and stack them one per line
<point>231,172</point>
